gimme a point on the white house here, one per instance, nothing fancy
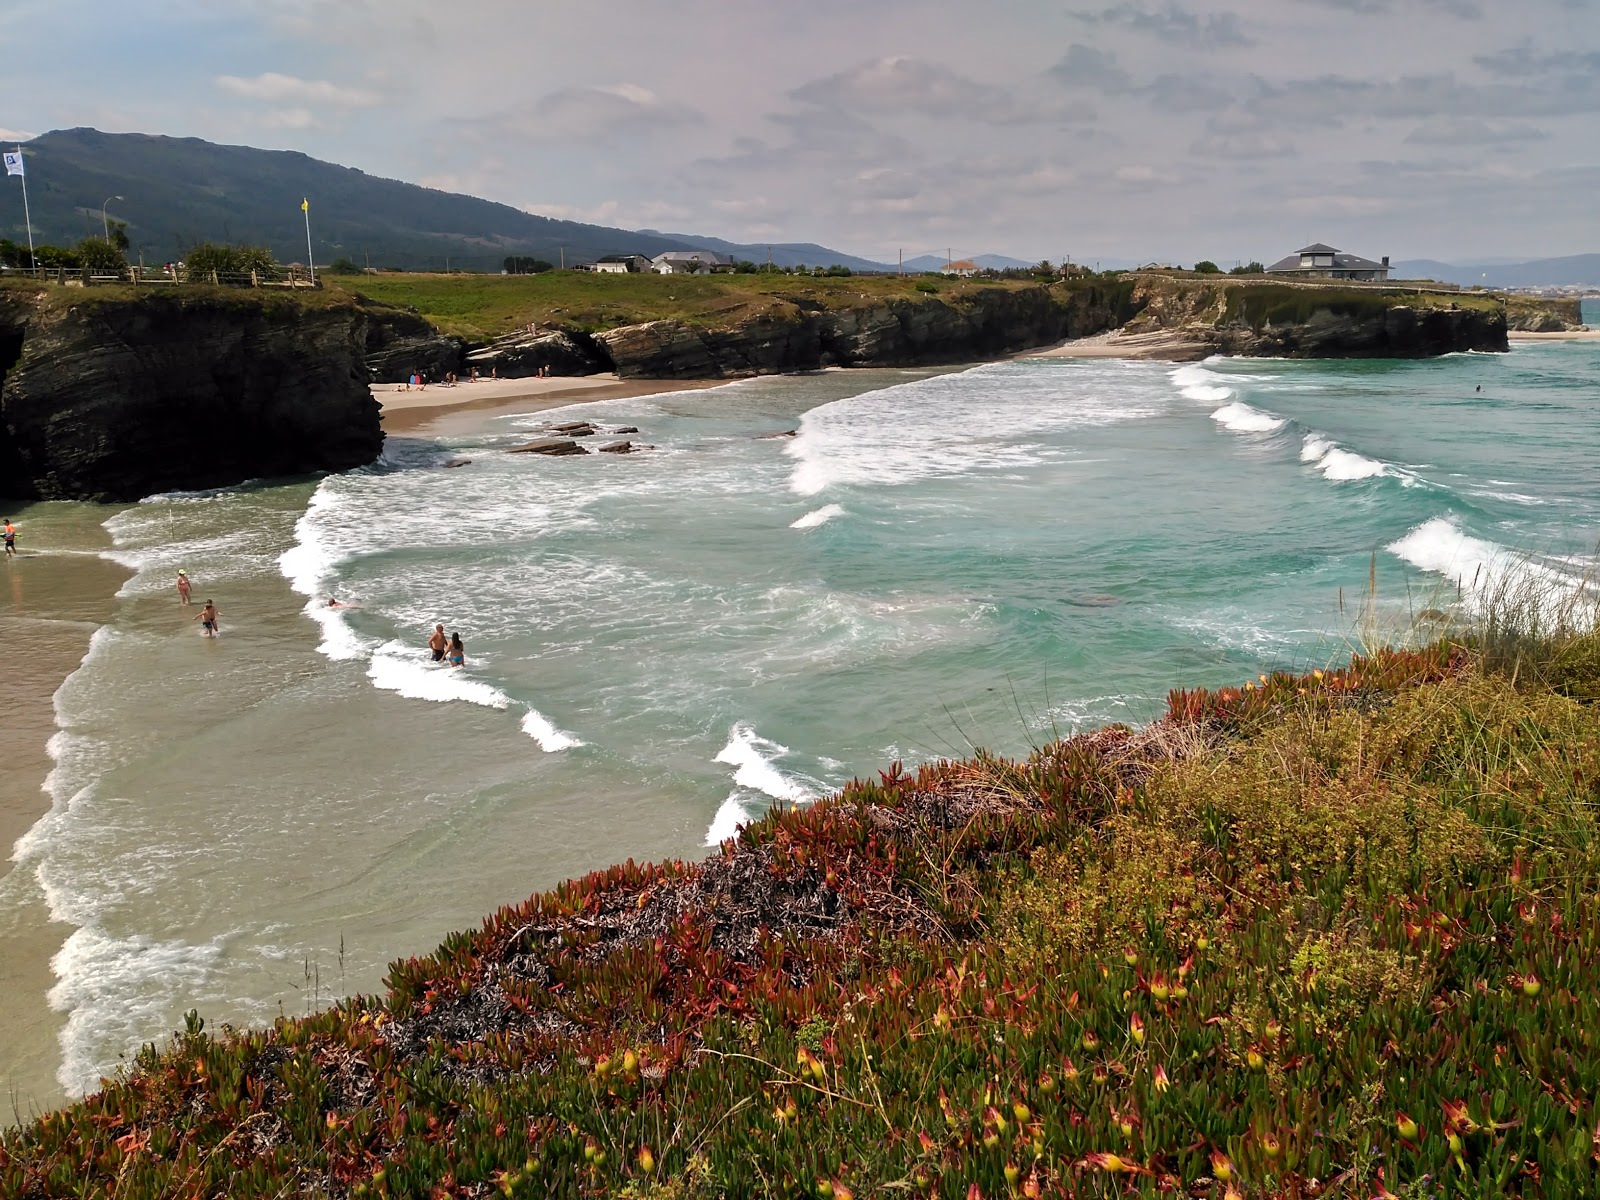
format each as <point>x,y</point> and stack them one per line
<point>963,267</point>
<point>691,262</point>
<point>623,264</point>
<point>1319,261</point>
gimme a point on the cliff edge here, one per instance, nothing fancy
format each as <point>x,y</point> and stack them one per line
<point>109,395</point>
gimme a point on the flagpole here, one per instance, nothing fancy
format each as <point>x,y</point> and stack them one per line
<point>26,215</point>
<point>311,262</point>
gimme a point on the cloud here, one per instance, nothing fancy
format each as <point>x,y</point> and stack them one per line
<point>1524,62</point>
<point>618,109</point>
<point>1086,67</point>
<point>1243,146</point>
<point>288,89</point>
<point>898,84</point>
<point>1470,131</point>
<point>1466,9</point>
<point>1332,99</point>
<point>290,118</point>
<point>15,135</point>
<point>1176,25</point>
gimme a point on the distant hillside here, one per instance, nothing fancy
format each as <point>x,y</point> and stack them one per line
<point>1575,270</point>
<point>179,191</point>
<point>785,254</point>
<point>990,262</point>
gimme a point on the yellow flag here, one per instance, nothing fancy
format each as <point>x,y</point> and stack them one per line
<point>305,206</point>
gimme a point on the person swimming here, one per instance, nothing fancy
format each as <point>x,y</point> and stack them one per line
<point>210,619</point>
<point>458,652</point>
<point>333,602</point>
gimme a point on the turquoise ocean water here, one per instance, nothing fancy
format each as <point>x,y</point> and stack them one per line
<point>663,645</point>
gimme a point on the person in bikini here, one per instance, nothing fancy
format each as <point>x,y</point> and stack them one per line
<point>184,587</point>
<point>438,643</point>
<point>209,618</point>
<point>458,652</point>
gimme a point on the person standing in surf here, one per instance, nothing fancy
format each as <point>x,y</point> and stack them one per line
<point>210,619</point>
<point>184,587</point>
<point>458,652</point>
<point>11,539</point>
<point>438,643</point>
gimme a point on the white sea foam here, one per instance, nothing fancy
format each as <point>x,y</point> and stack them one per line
<point>540,728</point>
<point>818,516</point>
<point>416,678</point>
<point>1200,383</point>
<point>752,757</point>
<point>1483,569</point>
<point>1337,464</point>
<point>1241,418</point>
<point>734,812</point>
<point>114,992</point>
<point>1003,417</point>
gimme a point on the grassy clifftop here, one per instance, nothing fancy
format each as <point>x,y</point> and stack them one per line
<point>483,307</point>
<point>1335,935</point>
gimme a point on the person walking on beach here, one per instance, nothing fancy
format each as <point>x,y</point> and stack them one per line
<point>210,619</point>
<point>11,539</point>
<point>458,652</point>
<point>184,587</point>
<point>438,643</point>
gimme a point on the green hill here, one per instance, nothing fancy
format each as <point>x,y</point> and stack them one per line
<point>180,191</point>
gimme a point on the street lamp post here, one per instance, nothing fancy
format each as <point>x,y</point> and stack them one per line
<point>105,221</point>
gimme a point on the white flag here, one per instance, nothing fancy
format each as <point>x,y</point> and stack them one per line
<point>14,163</point>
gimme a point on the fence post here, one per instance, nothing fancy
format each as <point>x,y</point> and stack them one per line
<point>255,281</point>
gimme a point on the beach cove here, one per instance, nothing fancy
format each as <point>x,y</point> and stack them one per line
<point>659,647</point>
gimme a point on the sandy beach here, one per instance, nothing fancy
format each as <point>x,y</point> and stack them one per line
<point>1566,335</point>
<point>1161,346</point>
<point>408,411</point>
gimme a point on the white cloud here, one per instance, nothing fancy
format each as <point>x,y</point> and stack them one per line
<point>290,118</point>
<point>289,89</point>
<point>15,135</point>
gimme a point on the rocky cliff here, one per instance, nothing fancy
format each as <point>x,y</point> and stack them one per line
<point>109,396</point>
<point>930,329</point>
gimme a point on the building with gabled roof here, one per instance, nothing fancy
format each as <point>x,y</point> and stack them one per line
<point>1321,261</point>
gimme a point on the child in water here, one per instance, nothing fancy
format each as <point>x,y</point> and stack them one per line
<point>458,652</point>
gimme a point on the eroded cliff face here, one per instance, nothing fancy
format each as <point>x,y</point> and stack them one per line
<point>903,332</point>
<point>111,399</point>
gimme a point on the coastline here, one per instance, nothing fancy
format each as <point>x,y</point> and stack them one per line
<point>51,604</point>
<point>1565,335</point>
<point>412,411</point>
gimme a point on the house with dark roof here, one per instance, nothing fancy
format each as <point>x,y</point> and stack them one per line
<point>691,262</point>
<point>1321,261</point>
<point>623,264</point>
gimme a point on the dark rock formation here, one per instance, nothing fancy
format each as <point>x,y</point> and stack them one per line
<point>1399,331</point>
<point>576,429</point>
<point>109,397</point>
<point>564,352</point>
<point>617,448</point>
<point>1526,314</point>
<point>555,447</point>
<point>984,323</point>
<point>400,343</point>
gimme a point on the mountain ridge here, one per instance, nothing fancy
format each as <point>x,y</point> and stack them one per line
<point>181,191</point>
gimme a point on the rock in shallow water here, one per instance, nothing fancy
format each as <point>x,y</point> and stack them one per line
<point>551,446</point>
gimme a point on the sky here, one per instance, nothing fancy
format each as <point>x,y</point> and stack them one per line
<point>1165,130</point>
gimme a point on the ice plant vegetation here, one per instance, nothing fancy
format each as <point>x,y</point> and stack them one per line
<point>1330,935</point>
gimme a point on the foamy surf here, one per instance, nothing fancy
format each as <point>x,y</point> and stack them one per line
<point>1338,464</point>
<point>733,813</point>
<point>752,757</point>
<point>1198,383</point>
<point>1485,571</point>
<point>114,991</point>
<point>540,728</point>
<point>818,516</point>
<point>417,679</point>
<point>1241,418</point>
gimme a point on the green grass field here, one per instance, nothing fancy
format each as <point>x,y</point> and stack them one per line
<point>482,307</point>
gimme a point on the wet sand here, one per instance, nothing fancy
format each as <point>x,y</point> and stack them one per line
<point>410,411</point>
<point>1566,335</point>
<point>1160,346</point>
<point>52,599</point>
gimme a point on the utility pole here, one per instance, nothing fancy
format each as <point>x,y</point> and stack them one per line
<point>902,261</point>
<point>563,256</point>
<point>769,260</point>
